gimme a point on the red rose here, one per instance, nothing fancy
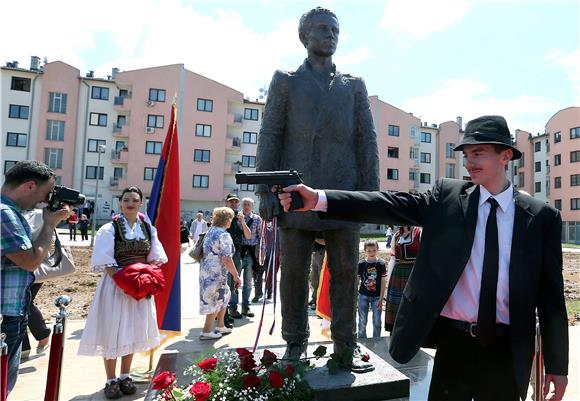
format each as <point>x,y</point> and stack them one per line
<point>163,380</point>
<point>250,381</point>
<point>242,352</point>
<point>269,358</point>
<point>247,363</point>
<point>200,390</point>
<point>208,364</point>
<point>289,370</point>
<point>365,357</point>
<point>276,379</point>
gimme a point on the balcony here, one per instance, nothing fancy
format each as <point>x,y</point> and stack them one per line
<point>121,156</point>
<point>122,103</point>
<point>230,190</point>
<point>234,144</point>
<point>121,131</point>
<point>235,119</point>
<point>232,168</point>
<point>118,183</point>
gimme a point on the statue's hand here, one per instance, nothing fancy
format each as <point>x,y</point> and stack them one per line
<point>269,205</point>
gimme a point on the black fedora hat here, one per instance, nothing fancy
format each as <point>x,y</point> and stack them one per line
<point>488,130</point>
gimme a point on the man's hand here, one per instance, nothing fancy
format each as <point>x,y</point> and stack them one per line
<point>269,206</point>
<point>309,197</point>
<point>560,382</point>
<point>241,218</point>
<point>53,218</point>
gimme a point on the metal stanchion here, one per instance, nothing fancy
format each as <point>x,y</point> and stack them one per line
<point>3,366</point>
<point>56,350</point>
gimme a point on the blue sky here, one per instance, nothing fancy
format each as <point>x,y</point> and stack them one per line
<point>436,59</point>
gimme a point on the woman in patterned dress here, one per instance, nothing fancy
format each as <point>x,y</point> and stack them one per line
<point>404,248</point>
<point>214,292</point>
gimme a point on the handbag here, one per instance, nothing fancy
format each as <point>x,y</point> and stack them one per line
<point>197,251</point>
<point>49,270</point>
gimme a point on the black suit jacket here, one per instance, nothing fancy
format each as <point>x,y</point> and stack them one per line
<point>448,215</point>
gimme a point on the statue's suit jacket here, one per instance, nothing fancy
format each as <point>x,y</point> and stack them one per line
<point>327,134</point>
<point>448,215</point>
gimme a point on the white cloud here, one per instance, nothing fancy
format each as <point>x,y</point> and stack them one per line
<point>571,63</point>
<point>357,56</point>
<point>419,19</point>
<point>470,99</point>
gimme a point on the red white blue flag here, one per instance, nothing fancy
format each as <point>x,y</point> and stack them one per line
<point>164,211</point>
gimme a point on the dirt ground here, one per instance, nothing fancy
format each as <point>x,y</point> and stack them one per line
<point>81,285</point>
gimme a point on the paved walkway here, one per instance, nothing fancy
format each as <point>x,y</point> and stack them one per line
<point>83,377</point>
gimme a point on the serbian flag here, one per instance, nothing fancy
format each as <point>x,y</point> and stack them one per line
<point>163,210</point>
<point>323,297</point>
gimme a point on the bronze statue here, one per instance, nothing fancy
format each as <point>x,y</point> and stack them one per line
<point>317,120</point>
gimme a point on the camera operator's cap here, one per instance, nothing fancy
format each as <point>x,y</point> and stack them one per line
<point>231,197</point>
<point>491,130</point>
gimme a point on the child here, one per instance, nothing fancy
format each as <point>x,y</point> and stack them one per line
<point>373,277</point>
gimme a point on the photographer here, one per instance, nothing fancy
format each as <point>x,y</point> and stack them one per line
<point>27,184</point>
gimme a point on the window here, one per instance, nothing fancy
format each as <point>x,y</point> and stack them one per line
<point>57,102</point>
<point>537,146</point>
<point>538,165</point>
<point>575,204</point>
<point>121,120</point>
<point>557,160</point>
<point>392,174</point>
<point>537,187</point>
<point>205,105</point>
<point>93,145</point>
<point>250,137</point>
<point>251,114</point>
<point>99,92</point>
<point>575,156</point>
<point>16,139</point>
<point>157,95</point>
<point>521,161</point>
<point>449,152</point>
<point>8,165</point>
<point>425,157</point>
<point>575,133</point>
<point>412,175</point>
<point>449,170</point>
<point>248,161</point>
<point>153,147</point>
<point>20,84</point>
<point>53,157</point>
<point>202,130</point>
<point>557,137</point>
<point>558,204</point>
<point>247,187</point>
<point>393,152</point>
<point>91,172</point>
<point>557,182</point>
<point>201,181</point>
<point>201,155</point>
<point>18,111</point>
<point>149,173</point>
<point>155,121</point>
<point>54,130</point>
<point>414,153</point>
<point>98,119</point>
<point>394,130</point>
<point>575,180</point>
<point>521,180</point>
<point>425,178</point>
<point>426,137</point>
<point>118,172</point>
<point>119,146</point>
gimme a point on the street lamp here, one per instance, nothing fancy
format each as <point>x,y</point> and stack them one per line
<point>100,149</point>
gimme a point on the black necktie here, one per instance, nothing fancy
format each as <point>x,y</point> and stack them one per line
<point>487,297</point>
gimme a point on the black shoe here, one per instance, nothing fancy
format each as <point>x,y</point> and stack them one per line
<point>235,314</point>
<point>256,299</point>
<point>313,306</point>
<point>312,302</point>
<point>295,351</point>
<point>113,390</point>
<point>247,312</point>
<point>228,324</point>
<point>127,386</point>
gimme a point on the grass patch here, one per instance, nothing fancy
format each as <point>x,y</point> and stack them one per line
<point>378,237</point>
<point>572,306</point>
<point>571,245</point>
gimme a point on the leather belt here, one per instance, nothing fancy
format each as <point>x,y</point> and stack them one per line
<point>501,330</point>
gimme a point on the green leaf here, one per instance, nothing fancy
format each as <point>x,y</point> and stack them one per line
<point>320,351</point>
<point>177,393</point>
<point>333,366</point>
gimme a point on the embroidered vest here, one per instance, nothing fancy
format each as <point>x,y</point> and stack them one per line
<point>129,251</point>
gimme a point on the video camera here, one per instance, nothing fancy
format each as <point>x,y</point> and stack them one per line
<point>61,194</point>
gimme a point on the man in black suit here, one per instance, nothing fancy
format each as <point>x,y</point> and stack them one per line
<point>490,257</point>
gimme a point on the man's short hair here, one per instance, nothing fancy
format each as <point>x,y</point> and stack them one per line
<point>304,24</point>
<point>371,242</point>
<point>248,200</point>
<point>28,170</point>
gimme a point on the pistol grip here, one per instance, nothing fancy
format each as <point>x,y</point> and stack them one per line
<point>297,202</point>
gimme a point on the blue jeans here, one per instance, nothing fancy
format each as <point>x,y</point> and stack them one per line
<point>364,302</point>
<point>15,329</point>
<point>244,268</point>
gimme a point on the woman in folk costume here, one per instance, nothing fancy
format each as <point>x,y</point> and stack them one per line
<point>118,325</point>
<point>404,248</point>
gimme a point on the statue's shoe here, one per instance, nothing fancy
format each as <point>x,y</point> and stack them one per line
<point>352,359</point>
<point>295,351</point>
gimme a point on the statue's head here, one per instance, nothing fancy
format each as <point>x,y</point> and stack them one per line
<point>318,31</point>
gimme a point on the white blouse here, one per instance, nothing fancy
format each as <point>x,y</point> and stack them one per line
<point>104,250</point>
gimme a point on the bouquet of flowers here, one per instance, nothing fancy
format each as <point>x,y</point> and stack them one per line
<point>236,376</point>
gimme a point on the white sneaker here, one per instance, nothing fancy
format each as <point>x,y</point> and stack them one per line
<point>210,336</point>
<point>223,330</point>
